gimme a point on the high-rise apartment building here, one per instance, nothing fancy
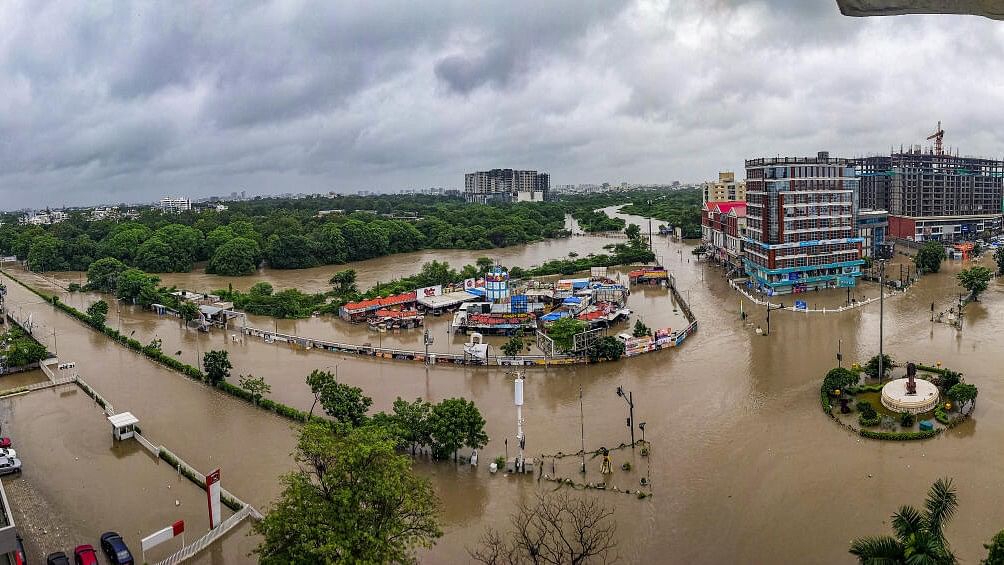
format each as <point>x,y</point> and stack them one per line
<point>727,189</point>
<point>175,204</point>
<point>506,185</point>
<point>800,228</point>
<point>933,195</point>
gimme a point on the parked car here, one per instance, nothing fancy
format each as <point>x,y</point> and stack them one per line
<point>5,442</point>
<point>9,465</point>
<point>20,555</point>
<point>115,549</point>
<point>57,558</point>
<point>85,555</point>
<point>8,453</point>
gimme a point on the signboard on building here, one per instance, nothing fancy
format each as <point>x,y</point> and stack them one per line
<point>430,291</point>
<point>213,489</point>
<point>470,283</point>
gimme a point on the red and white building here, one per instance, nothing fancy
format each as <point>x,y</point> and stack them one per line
<point>722,226</point>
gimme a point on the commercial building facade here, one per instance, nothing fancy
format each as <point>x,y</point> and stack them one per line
<point>727,189</point>
<point>506,185</point>
<point>800,228</point>
<point>723,225</point>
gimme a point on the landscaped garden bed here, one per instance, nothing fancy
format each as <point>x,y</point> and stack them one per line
<point>862,402</point>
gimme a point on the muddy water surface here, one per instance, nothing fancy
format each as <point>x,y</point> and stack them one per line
<point>744,465</point>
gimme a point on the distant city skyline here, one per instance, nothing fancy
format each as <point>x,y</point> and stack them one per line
<point>163,101</point>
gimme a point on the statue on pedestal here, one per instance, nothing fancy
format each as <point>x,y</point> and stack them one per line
<point>911,374</point>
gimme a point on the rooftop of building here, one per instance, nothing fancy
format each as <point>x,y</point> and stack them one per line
<point>726,206</point>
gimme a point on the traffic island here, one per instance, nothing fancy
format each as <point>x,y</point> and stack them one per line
<point>921,404</point>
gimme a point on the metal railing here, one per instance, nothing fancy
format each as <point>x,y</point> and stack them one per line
<point>205,541</point>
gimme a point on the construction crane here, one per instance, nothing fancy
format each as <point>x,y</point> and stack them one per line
<point>937,136</point>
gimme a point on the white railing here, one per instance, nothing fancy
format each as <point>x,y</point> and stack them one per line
<point>205,541</point>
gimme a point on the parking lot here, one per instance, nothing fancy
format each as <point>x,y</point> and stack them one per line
<point>77,483</point>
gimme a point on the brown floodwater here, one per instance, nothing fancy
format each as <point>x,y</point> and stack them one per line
<point>744,465</point>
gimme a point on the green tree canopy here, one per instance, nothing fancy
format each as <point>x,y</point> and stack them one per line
<point>290,251</point>
<point>156,256</point>
<point>930,256</point>
<point>237,257</point>
<point>455,423</point>
<point>188,311</point>
<point>563,330</point>
<point>872,370</point>
<point>331,246</point>
<point>98,313</point>
<point>217,366</point>
<point>46,254</point>
<point>964,393</point>
<point>354,500</point>
<point>975,279</point>
<point>134,284</point>
<point>344,282</point>
<point>999,259</point>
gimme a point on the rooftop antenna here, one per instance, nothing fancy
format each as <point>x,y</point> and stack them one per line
<point>938,136</point>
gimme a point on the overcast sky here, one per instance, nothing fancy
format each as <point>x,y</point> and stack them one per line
<point>103,103</point>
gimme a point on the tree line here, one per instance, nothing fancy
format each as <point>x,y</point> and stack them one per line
<point>286,234</point>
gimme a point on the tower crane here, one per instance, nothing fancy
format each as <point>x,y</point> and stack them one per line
<point>937,136</point>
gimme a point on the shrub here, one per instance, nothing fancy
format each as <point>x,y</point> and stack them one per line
<point>500,462</point>
<point>899,436</point>
<point>864,406</point>
<point>941,416</point>
<point>866,421</point>
<point>907,420</point>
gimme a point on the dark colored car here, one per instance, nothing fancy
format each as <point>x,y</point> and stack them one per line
<point>115,549</point>
<point>85,555</point>
<point>57,558</point>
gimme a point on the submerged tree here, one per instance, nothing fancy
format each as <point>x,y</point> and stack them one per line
<point>919,534</point>
<point>975,279</point>
<point>217,366</point>
<point>354,499</point>
<point>554,528</point>
<point>98,313</point>
<point>929,257</point>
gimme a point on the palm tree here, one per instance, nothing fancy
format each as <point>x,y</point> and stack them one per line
<point>920,535</point>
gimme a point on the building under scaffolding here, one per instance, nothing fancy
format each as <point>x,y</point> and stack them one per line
<point>932,194</point>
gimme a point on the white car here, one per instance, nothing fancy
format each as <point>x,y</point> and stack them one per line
<point>8,453</point>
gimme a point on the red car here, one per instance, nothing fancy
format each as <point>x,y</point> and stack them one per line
<point>85,555</point>
<point>5,442</point>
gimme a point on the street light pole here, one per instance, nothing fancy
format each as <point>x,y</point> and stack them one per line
<point>881,368</point>
<point>629,398</point>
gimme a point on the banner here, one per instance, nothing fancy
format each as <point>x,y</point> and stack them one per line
<point>213,495</point>
<point>469,284</point>
<point>430,291</point>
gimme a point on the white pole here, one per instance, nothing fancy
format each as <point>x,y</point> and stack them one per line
<point>519,420</point>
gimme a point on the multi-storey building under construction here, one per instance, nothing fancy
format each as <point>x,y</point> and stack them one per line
<point>932,195</point>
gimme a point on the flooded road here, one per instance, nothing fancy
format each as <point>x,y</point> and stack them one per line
<point>744,465</point>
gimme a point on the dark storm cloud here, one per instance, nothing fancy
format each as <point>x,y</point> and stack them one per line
<point>112,102</point>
